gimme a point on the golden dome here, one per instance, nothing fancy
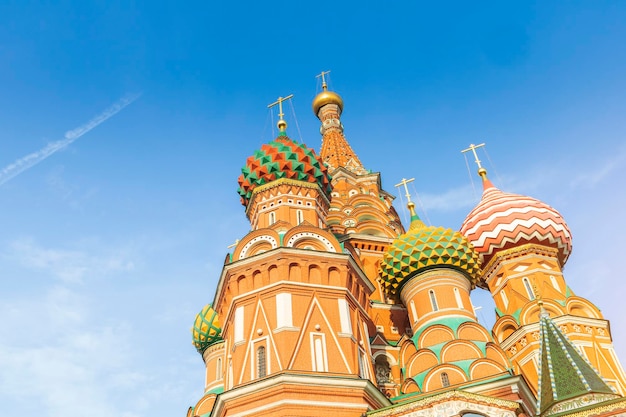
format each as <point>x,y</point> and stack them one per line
<point>327,97</point>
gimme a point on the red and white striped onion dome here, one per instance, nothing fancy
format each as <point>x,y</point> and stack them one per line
<point>503,221</point>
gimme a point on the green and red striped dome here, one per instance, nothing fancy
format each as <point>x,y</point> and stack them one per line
<point>282,158</point>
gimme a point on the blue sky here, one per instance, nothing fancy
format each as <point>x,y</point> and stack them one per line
<point>113,243</point>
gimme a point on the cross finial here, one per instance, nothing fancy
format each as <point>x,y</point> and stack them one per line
<point>406,189</point>
<point>322,74</point>
<point>232,245</point>
<point>282,125</point>
<point>481,171</point>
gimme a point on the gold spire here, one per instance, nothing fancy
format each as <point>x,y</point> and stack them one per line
<point>481,171</point>
<point>282,124</point>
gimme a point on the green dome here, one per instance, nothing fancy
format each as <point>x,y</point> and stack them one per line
<point>282,158</point>
<point>424,247</point>
<point>206,329</point>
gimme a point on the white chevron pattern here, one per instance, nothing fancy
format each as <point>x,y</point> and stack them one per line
<point>503,220</point>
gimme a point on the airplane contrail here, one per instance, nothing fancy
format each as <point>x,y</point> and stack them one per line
<point>70,136</point>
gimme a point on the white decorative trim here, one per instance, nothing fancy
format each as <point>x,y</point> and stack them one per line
<point>256,240</point>
<point>293,239</point>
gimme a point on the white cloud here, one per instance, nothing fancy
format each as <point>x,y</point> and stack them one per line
<point>595,173</point>
<point>68,265</point>
<point>58,355</point>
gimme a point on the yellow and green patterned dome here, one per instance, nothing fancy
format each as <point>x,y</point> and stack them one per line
<point>206,329</point>
<point>424,247</point>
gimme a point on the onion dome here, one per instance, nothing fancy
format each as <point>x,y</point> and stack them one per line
<point>206,329</point>
<point>326,97</point>
<point>282,158</point>
<point>503,221</point>
<point>424,247</point>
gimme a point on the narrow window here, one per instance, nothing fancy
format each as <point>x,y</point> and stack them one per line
<point>555,284</point>
<point>457,296</point>
<point>445,381</point>
<point>299,217</point>
<point>261,368</point>
<point>218,369</point>
<point>319,353</point>
<point>529,289</point>
<point>283,310</point>
<point>363,371</point>
<point>230,374</point>
<point>239,324</point>
<point>433,300</point>
<point>272,218</point>
<point>344,316</point>
<point>505,300</point>
<point>413,310</point>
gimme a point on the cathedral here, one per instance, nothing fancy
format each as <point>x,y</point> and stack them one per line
<point>331,306</point>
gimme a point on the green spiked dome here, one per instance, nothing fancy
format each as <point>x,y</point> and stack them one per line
<point>206,329</point>
<point>282,158</point>
<point>424,247</point>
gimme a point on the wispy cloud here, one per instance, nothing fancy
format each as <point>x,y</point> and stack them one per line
<point>598,172</point>
<point>69,265</point>
<point>450,200</point>
<point>30,160</point>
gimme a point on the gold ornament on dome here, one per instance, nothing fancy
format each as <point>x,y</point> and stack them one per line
<point>326,97</point>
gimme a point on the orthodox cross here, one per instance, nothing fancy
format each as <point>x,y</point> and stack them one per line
<point>279,101</point>
<point>322,74</point>
<point>473,148</point>
<point>234,244</point>
<point>406,189</point>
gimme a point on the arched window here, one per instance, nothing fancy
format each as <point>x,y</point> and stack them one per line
<point>261,362</point>
<point>445,381</point>
<point>272,218</point>
<point>529,288</point>
<point>383,370</point>
<point>299,216</point>
<point>433,300</point>
<point>320,360</point>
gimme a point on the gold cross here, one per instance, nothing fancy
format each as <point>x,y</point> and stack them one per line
<point>473,148</point>
<point>280,105</point>
<point>234,244</point>
<point>406,189</point>
<point>322,74</point>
